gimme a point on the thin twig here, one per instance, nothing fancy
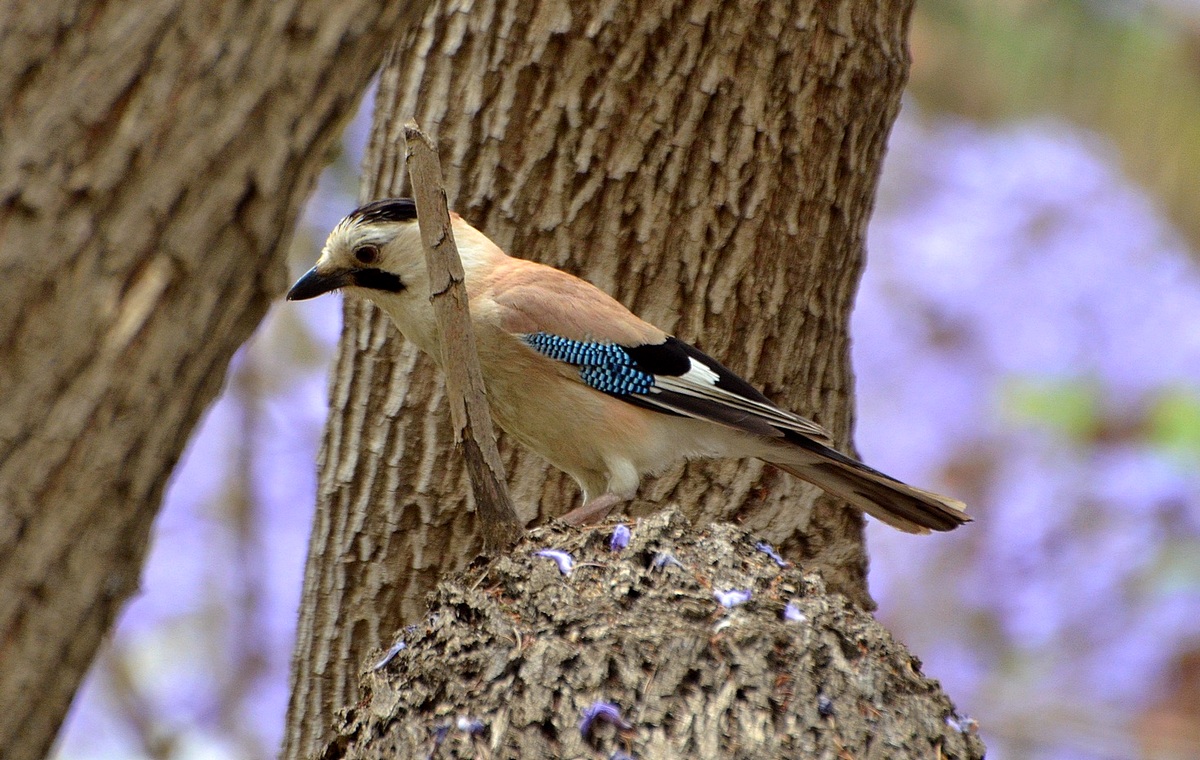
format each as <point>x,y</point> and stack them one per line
<point>460,361</point>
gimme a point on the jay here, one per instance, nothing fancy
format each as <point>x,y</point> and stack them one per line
<point>576,377</point>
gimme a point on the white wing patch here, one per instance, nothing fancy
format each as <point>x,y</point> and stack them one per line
<point>699,374</point>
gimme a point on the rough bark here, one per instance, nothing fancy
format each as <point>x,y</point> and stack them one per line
<point>153,158</point>
<point>713,165</point>
<point>511,654</point>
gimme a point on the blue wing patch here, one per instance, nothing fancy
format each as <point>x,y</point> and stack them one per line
<point>606,367</point>
<point>674,378</point>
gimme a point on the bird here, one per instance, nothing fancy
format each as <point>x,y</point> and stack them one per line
<point>576,377</point>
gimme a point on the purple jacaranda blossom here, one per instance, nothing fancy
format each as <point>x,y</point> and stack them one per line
<point>964,724</point>
<point>824,706</point>
<point>388,656</point>
<point>665,559</point>
<point>601,710</point>
<point>565,562</point>
<point>732,597</point>
<point>439,735</point>
<point>769,550</point>
<point>620,538</point>
<point>792,613</point>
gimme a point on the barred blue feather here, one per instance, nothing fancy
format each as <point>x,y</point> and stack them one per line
<point>606,367</point>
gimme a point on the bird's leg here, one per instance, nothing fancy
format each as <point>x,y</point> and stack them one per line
<point>593,511</point>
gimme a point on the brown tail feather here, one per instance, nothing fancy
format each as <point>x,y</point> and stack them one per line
<point>898,504</point>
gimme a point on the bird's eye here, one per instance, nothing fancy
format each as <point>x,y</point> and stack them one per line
<point>366,254</point>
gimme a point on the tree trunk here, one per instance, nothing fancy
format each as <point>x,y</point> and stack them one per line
<point>511,656</point>
<point>713,165</point>
<point>153,158</point>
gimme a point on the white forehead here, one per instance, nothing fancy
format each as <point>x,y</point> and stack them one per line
<point>352,231</point>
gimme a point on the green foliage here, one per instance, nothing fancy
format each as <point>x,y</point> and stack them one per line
<point>1071,408</point>
<point>1174,423</point>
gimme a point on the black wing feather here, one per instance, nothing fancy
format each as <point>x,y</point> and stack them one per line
<point>675,378</point>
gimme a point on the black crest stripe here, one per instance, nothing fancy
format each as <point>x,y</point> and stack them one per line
<point>386,210</point>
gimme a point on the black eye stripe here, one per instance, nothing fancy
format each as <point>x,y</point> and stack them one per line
<point>377,279</point>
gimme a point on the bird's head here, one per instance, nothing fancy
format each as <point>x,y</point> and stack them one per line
<point>375,250</point>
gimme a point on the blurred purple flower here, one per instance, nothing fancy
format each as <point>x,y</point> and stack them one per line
<point>964,724</point>
<point>769,550</point>
<point>440,732</point>
<point>604,711</point>
<point>664,559</point>
<point>620,538</point>
<point>824,706</point>
<point>565,562</point>
<point>792,613</point>
<point>732,597</point>
<point>390,655</point>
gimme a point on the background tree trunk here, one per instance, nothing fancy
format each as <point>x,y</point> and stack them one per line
<point>153,157</point>
<point>713,165</point>
<point>512,655</point>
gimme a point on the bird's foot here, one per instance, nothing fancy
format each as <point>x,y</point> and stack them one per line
<point>593,511</point>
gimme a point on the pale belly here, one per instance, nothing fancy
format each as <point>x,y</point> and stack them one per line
<point>605,443</point>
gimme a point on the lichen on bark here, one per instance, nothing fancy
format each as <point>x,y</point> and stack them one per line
<point>513,651</point>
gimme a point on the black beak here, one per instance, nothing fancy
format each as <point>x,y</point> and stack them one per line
<point>314,283</point>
